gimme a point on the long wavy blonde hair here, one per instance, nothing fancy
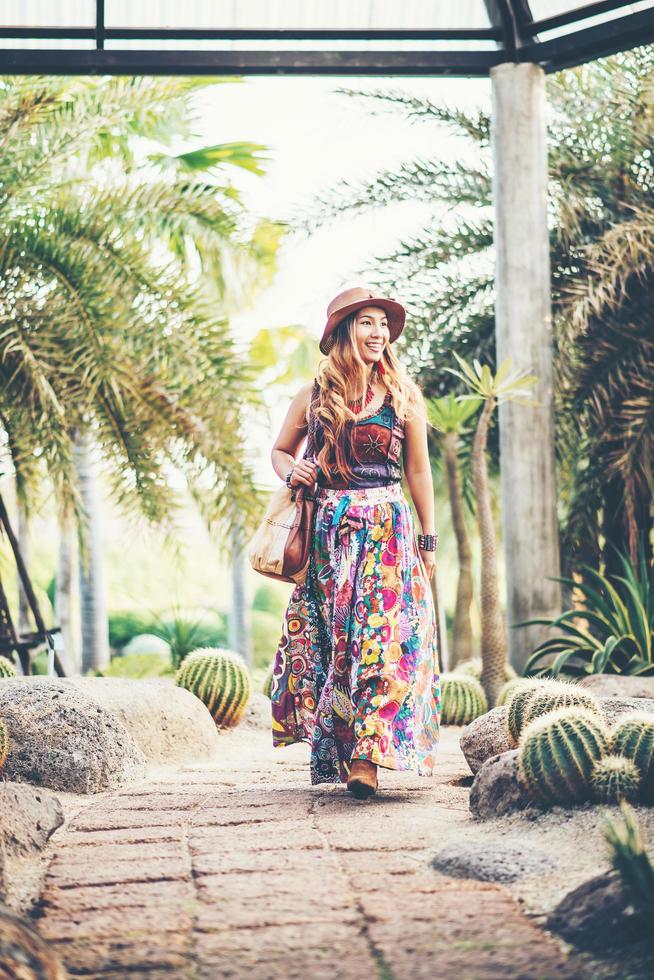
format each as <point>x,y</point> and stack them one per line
<point>343,374</point>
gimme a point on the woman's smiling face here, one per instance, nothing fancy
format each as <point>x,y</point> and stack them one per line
<point>371,333</point>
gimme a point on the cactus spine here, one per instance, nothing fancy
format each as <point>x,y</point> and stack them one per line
<point>220,679</point>
<point>557,753</point>
<point>633,738</point>
<point>7,669</point>
<point>4,743</point>
<point>462,699</point>
<point>516,707</point>
<point>557,695</point>
<point>615,778</point>
<point>510,688</point>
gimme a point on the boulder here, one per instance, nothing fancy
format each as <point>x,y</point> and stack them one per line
<point>597,915</point>
<point>616,708</point>
<point>24,953</point>
<point>496,788</point>
<point>485,737</point>
<point>503,862</point>
<point>63,739</point>
<point>168,723</point>
<point>619,686</point>
<point>28,818</point>
<point>258,713</point>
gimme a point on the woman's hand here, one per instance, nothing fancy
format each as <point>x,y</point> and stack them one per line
<point>429,561</point>
<point>304,473</point>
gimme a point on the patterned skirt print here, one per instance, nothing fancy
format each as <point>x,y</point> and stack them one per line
<point>356,670</point>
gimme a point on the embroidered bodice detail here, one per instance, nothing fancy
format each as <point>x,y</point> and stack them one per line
<point>377,438</point>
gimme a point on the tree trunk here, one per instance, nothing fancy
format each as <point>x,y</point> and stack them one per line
<point>240,639</point>
<point>493,630</point>
<point>22,533</point>
<point>64,591</point>
<point>462,625</point>
<point>93,613</point>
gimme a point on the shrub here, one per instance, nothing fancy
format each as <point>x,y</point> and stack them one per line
<point>137,666</point>
<point>220,679</point>
<point>7,669</point>
<point>123,626</point>
<point>462,699</point>
<point>557,755</point>
<point>269,599</point>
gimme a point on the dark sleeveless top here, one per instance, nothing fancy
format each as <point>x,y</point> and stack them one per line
<point>377,438</point>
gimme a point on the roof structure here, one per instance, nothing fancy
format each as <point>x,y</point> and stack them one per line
<point>317,37</point>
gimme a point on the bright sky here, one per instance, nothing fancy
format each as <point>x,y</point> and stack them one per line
<point>316,136</point>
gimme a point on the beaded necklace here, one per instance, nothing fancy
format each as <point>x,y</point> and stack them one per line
<point>356,405</point>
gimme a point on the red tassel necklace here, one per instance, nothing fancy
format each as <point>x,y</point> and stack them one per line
<point>356,405</point>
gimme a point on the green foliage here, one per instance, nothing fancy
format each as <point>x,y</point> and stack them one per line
<point>137,666</point>
<point>184,635</point>
<point>269,599</point>
<point>633,737</point>
<point>4,743</point>
<point>557,754</point>
<point>220,679</point>
<point>517,707</point>
<point>123,626</point>
<point>615,778</point>
<point>7,669</point>
<point>266,633</point>
<point>555,696</point>
<point>630,860</point>
<point>462,699</point>
<point>620,611</point>
<point>473,667</point>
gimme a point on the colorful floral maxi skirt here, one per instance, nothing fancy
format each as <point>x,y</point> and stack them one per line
<point>356,669</point>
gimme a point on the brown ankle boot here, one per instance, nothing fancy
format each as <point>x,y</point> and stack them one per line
<point>362,781</point>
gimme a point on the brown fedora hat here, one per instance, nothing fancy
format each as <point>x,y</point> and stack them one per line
<point>354,299</point>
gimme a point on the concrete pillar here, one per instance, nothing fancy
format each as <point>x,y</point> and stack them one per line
<point>523,332</point>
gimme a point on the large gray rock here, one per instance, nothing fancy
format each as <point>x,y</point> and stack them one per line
<point>597,915</point>
<point>28,818</point>
<point>61,738</point>
<point>496,788</point>
<point>618,686</point>
<point>258,713</point>
<point>168,723</point>
<point>615,709</point>
<point>503,862</point>
<point>485,737</point>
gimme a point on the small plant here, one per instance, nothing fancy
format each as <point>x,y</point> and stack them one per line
<point>560,695</point>
<point>633,737</point>
<point>557,755</point>
<point>620,609</point>
<point>630,860</point>
<point>4,743</point>
<point>615,778</point>
<point>517,706</point>
<point>7,669</point>
<point>462,699</point>
<point>220,679</point>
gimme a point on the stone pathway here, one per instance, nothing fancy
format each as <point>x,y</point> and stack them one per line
<point>245,870</point>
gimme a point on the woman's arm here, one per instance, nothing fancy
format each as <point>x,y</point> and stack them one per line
<point>417,471</point>
<point>290,438</point>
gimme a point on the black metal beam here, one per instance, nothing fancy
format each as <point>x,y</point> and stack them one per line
<point>487,34</point>
<point>569,50</point>
<point>576,16</point>
<point>466,64</point>
<point>99,25</point>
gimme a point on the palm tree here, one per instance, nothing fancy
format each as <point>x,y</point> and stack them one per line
<point>602,211</point>
<point>450,415</point>
<point>493,390</point>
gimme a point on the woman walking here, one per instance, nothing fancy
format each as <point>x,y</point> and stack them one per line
<point>356,669</point>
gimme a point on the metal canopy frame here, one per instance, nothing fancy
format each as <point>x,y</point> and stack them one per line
<point>515,34</point>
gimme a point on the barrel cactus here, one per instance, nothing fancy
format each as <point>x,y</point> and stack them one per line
<point>7,669</point>
<point>615,778</point>
<point>633,737</point>
<point>4,743</point>
<point>517,706</point>
<point>266,687</point>
<point>462,699</point>
<point>510,688</point>
<point>558,752</point>
<point>220,679</point>
<point>555,695</point>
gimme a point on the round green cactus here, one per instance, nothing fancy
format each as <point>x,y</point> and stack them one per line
<point>4,743</point>
<point>510,688</point>
<point>633,737</point>
<point>7,669</point>
<point>558,695</point>
<point>266,687</point>
<point>517,706</point>
<point>462,699</point>
<point>220,679</point>
<point>473,668</point>
<point>557,754</point>
<point>615,778</point>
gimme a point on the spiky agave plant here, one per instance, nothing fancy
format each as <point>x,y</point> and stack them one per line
<point>629,858</point>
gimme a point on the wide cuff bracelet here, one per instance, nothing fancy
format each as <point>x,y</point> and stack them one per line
<point>428,542</point>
